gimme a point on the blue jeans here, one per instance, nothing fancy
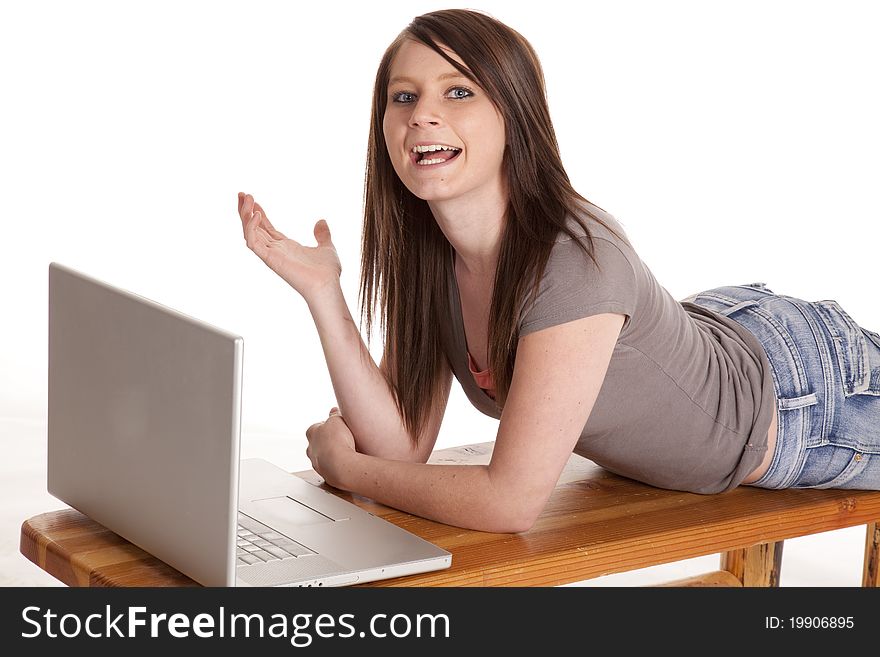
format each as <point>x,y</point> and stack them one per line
<point>826,373</point>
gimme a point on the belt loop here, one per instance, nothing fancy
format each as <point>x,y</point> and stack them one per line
<point>742,304</point>
<point>797,402</point>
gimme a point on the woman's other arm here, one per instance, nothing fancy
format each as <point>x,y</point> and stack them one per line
<point>556,380</point>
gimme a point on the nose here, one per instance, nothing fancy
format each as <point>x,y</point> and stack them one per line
<point>425,112</point>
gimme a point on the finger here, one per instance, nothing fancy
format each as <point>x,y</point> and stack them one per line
<point>268,224</point>
<point>247,206</point>
<point>322,232</point>
<point>250,229</point>
<point>245,211</point>
<point>249,226</point>
<point>257,238</point>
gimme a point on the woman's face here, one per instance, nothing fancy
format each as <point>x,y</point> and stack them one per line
<point>430,103</point>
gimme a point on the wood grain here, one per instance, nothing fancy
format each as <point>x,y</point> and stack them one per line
<point>759,565</point>
<point>871,568</point>
<point>595,523</point>
<point>715,578</point>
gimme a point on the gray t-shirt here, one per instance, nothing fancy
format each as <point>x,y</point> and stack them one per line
<point>688,398</point>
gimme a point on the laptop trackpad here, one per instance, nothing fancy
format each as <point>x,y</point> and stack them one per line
<point>275,511</point>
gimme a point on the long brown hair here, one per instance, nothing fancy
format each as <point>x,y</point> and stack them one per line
<point>405,256</point>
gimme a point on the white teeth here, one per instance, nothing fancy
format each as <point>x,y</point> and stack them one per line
<point>437,161</point>
<point>433,147</point>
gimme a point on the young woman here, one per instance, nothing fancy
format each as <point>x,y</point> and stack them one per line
<point>491,268</point>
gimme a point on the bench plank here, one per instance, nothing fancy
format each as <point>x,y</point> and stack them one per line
<point>595,523</point>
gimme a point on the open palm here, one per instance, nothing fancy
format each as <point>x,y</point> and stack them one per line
<point>308,269</point>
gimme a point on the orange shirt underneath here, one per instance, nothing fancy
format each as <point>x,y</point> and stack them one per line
<point>484,379</point>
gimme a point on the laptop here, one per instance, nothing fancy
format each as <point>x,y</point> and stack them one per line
<point>144,418</point>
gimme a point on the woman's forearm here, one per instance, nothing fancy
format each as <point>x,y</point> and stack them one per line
<point>459,495</point>
<point>362,394</point>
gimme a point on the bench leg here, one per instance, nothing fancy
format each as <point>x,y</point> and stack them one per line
<point>871,568</point>
<point>759,565</point>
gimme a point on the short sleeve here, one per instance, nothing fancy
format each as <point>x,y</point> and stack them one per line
<point>573,288</point>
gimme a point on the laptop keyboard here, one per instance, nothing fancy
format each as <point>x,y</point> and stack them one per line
<point>258,543</point>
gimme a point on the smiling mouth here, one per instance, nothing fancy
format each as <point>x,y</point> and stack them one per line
<point>432,158</point>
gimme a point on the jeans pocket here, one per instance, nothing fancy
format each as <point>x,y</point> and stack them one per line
<point>831,466</point>
<point>850,346</point>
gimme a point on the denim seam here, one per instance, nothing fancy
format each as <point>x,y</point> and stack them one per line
<point>857,447</point>
<point>873,336</point>
<point>827,364</point>
<point>828,310</point>
<point>827,376</point>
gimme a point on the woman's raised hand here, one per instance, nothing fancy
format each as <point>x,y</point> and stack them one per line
<point>308,269</point>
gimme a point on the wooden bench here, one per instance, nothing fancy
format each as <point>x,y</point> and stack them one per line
<point>595,523</point>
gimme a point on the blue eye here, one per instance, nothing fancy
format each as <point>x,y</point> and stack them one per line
<point>467,92</point>
<point>396,98</point>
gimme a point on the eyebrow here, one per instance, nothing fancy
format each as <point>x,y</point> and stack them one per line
<point>445,76</point>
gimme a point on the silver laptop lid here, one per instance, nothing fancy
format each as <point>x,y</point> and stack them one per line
<point>145,402</point>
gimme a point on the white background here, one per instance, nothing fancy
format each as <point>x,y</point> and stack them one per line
<point>736,142</point>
